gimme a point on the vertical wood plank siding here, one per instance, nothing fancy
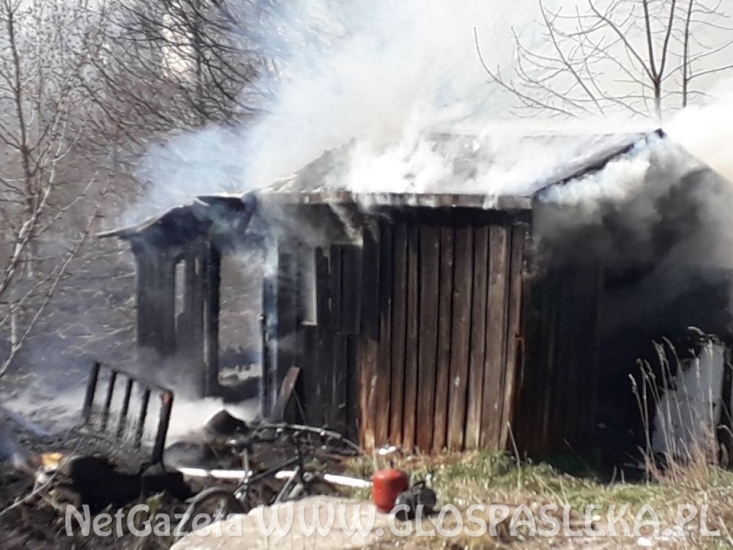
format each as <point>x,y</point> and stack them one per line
<point>555,405</point>
<point>449,343</point>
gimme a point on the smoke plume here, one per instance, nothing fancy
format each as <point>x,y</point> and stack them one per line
<point>383,77</point>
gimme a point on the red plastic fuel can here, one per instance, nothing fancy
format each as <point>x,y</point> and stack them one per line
<point>387,485</point>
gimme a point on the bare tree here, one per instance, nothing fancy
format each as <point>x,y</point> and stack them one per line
<point>176,64</point>
<point>45,47</point>
<point>638,56</point>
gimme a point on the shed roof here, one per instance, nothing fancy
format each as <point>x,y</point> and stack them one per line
<point>306,187</point>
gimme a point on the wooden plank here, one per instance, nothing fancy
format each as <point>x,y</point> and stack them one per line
<point>515,342</point>
<point>579,335</point>
<point>445,313</point>
<point>477,353</point>
<point>384,359</point>
<point>269,343</point>
<point>337,410</point>
<point>153,308</point>
<point>284,395</point>
<point>561,364</point>
<point>324,356</point>
<point>409,410</point>
<point>461,337</point>
<point>525,414</point>
<point>593,372</point>
<point>211,320</point>
<point>352,388</point>
<point>496,330</point>
<point>167,303</point>
<point>546,385</point>
<point>287,312</point>
<point>368,346</point>
<point>399,332</point>
<point>428,341</point>
<point>350,273</point>
<point>343,366</point>
<point>307,387</point>
<point>335,267</point>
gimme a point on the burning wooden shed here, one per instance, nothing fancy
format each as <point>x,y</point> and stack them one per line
<point>427,321</point>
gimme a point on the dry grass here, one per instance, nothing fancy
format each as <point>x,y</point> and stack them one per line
<point>483,478</point>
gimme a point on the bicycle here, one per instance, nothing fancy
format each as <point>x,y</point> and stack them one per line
<point>219,502</point>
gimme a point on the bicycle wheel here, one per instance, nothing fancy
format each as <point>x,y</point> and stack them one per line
<point>210,505</point>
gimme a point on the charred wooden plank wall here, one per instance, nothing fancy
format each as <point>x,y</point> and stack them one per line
<point>324,347</point>
<point>429,336</point>
<point>440,329</point>
<point>191,334</point>
<point>557,395</point>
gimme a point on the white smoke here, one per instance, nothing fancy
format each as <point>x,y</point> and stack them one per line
<point>706,130</point>
<point>381,75</point>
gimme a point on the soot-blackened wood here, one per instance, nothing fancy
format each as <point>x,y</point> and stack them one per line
<point>303,287</point>
<point>153,307</point>
<point>575,302</point>
<point>335,267</point>
<point>338,402</point>
<point>287,311</point>
<point>526,406</point>
<point>593,373</point>
<point>477,354</point>
<point>496,325</point>
<point>461,337</point>
<point>211,319</point>
<point>384,355</point>
<point>369,333</point>
<point>546,389</point>
<point>167,304</point>
<point>412,339</point>
<point>352,386</point>
<point>183,326</point>
<point>399,332</point>
<point>269,345</point>
<point>345,270</point>
<point>324,350</point>
<point>428,338</point>
<point>350,277</point>
<point>307,387</point>
<point>445,314</point>
<point>563,360</point>
<point>515,342</point>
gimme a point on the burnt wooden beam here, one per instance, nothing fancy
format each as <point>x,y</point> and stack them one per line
<point>344,374</point>
<point>307,386</point>
<point>269,346</point>
<point>350,298</point>
<point>166,303</point>
<point>339,376</point>
<point>324,351</point>
<point>211,304</point>
<point>335,286</point>
<point>287,311</point>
